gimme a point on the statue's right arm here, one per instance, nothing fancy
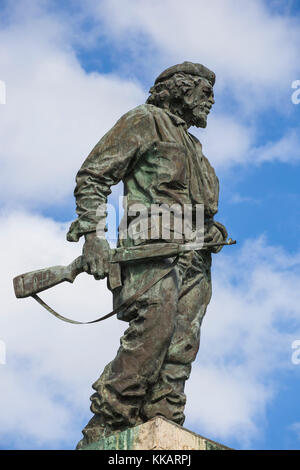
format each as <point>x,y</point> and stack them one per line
<point>107,164</point>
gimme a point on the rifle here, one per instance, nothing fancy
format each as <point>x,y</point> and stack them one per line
<point>31,283</point>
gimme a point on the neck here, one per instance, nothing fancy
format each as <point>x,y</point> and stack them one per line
<point>178,110</point>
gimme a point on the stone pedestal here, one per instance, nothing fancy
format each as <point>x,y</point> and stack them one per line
<point>156,434</point>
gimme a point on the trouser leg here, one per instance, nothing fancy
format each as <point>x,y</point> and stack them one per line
<point>167,396</point>
<point>125,381</point>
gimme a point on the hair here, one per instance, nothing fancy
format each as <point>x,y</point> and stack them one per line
<point>168,94</point>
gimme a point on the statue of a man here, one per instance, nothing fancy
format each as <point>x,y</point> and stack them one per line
<point>160,162</point>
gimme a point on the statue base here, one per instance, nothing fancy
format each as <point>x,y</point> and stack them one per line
<point>156,434</point>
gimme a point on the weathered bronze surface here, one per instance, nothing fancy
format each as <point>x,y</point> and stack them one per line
<point>160,162</point>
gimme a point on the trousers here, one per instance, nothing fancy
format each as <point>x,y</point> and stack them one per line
<point>148,375</point>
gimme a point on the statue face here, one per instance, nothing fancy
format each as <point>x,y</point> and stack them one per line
<point>198,102</point>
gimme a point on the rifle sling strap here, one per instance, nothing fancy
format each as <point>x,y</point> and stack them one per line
<point>121,307</point>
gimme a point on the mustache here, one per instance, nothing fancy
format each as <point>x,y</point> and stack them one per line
<point>203,108</point>
<point>203,105</point>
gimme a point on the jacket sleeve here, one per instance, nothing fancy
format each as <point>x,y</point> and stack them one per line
<point>107,164</point>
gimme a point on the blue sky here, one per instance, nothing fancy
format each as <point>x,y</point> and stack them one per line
<point>71,69</point>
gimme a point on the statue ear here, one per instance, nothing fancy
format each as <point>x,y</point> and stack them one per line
<point>164,95</point>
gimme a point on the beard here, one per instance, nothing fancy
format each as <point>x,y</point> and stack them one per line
<point>198,118</point>
<point>193,115</point>
<point>199,115</point>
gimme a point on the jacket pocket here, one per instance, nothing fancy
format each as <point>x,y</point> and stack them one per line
<point>172,170</point>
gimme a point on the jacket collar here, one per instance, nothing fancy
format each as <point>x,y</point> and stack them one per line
<point>176,119</point>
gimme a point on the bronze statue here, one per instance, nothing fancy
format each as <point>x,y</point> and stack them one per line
<point>160,162</point>
<point>164,284</point>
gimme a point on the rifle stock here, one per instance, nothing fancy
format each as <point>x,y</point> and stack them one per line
<point>42,279</point>
<point>34,282</point>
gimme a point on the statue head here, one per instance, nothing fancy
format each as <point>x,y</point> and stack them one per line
<point>185,90</point>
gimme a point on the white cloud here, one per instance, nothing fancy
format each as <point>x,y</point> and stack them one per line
<point>286,149</point>
<point>243,42</point>
<point>55,112</point>
<point>51,365</point>
<point>227,403</point>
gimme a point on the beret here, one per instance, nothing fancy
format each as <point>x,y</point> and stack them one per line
<point>190,68</point>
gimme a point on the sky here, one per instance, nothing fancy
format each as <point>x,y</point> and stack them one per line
<point>68,71</point>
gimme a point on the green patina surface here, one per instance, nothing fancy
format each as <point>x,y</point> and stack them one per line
<point>119,441</point>
<point>213,446</point>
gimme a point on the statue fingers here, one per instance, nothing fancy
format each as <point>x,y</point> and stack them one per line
<point>208,238</point>
<point>219,237</point>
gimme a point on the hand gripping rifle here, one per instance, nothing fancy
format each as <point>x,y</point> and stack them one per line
<point>30,284</point>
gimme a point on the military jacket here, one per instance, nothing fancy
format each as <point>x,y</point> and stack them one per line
<point>158,160</point>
